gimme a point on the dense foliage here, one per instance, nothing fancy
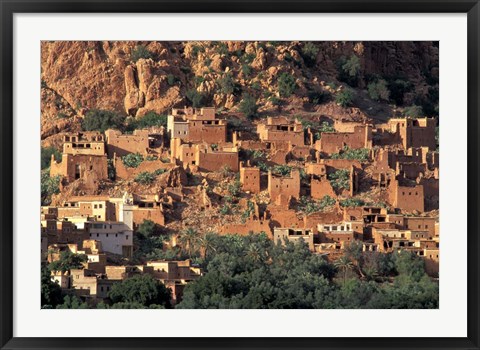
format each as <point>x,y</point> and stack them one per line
<point>344,98</point>
<point>286,84</point>
<point>132,160</point>
<point>68,261</point>
<point>248,106</point>
<point>378,90</point>
<point>48,186</point>
<point>148,120</point>
<point>46,156</point>
<point>252,272</point>
<point>360,154</point>
<point>102,120</point>
<point>309,205</point>
<point>141,289</point>
<point>340,179</point>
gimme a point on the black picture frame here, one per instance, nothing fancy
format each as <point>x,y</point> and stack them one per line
<point>9,7</point>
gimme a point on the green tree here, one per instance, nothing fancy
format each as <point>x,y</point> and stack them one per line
<point>227,84</point>
<point>309,53</point>
<point>378,90</point>
<point>189,239</point>
<point>46,156</point>
<point>142,289</point>
<point>140,51</point>
<point>286,84</point>
<point>148,120</point>
<point>51,293</point>
<point>102,120</point>
<point>68,261</point>
<point>349,70</point>
<point>147,228</point>
<point>413,111</point>
<point>344,265</point>
<point>344,98</point>
<point>195,98</point>
<point>48,186</point>
<point>72,302</point>
<point>248,106</point>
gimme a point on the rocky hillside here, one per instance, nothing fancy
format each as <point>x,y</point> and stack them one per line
<point>133,78</point>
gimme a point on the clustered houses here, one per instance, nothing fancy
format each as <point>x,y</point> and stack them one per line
<point>282,168</point>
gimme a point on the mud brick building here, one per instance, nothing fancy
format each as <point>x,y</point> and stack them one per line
<point>413,132</point>
<point>197,125</point>
<point>407,198</point>
<point>333,142</point>
<point>83,158</point>
<point>120,145</point>
<point>293,235</point>
<point>203,156</point>
<point>250,178</point>
<point>286,186</point>
<point>281,129</point>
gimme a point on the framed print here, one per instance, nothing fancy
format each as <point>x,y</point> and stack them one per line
<point>239,174</point>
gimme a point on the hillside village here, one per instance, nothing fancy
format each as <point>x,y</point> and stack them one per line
<point>149,200</point>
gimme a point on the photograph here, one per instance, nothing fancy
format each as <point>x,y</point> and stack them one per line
<point>239,175</point>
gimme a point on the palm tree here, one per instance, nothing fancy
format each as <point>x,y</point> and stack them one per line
<point>343,263</point>
<point>207,244</point>
<point>254,252</point>
<point>189,241</point>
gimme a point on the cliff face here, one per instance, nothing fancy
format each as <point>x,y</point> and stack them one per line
<point>77,76</point>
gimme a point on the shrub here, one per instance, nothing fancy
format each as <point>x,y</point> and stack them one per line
<point>398,88</point>
<point>225,209</point>
<point>222,49</point>
<point>352,202</point>
<point>378,90</point>
<point>159,172</point>
<point>148,120</point>
<point>196,49</point>
<point>46,156</point>
<point>286,84</point>
<point>195,98</point>
<point>283,169</point>
<point>145,178</point>
<point>308,205</point>
<point>49,186</point>
<point>344,98</point>
<point>309,53</point>
<point>171,79</point>
<point>112,173</point>
<point>324,127</point>
<point>349,70</point>
<point>275,101</point>
<point>413,111</point>
<point>248,106</point>
<point>140,52</point>
<point>227,84</point>
<point>101,120</point>
<point>316,97</point>
<point>246,69</point>
<point>61,115</point>
<point>360,154</point>
<point>340,179</point>
<point>234,189</point>
<point>132,160</point>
